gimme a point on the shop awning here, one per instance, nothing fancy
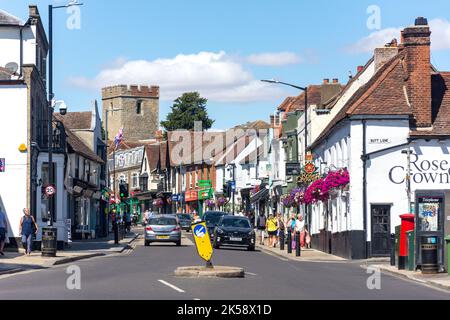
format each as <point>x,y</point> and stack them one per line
<point>261,195</point>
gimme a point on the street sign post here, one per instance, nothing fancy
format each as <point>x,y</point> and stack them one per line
<point>293,169</point>
<point>203,242</point>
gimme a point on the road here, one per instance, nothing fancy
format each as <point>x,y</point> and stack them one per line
<point>146,273</point>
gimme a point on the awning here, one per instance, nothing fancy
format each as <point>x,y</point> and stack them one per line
<point>261,195</point>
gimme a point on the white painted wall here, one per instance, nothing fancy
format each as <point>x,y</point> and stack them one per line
<point>13,182</point>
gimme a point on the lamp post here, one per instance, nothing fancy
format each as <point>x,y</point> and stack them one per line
<point>50,234</point>
<point>305,90</point>
<point>233,166</point>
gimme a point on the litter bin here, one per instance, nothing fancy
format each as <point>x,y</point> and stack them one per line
<point>429,249</point>
<point>447,240</point>
<point>49,242</point>
<point>411,255</point>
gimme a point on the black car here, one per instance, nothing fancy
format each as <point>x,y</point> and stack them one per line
<point>234,231</point>
<point>212,218</point>
<point>185,221</point>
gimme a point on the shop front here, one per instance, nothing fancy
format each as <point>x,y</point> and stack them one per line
<point>191,198</point>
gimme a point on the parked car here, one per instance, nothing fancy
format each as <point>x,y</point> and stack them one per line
<point>234,231</point>
<point>163,228</point>
<point>212,219</point>
<point>185,221</point>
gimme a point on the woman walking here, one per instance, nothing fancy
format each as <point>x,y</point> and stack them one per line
<point>272,229</point>
<point>27,229</point>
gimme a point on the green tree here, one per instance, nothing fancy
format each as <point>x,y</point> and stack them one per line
<point>186,110</point>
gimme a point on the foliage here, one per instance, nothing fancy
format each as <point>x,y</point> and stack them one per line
<point>186,110</point>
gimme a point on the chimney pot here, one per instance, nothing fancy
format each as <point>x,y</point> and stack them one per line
<point>335,80</point>
<point>360,68</point>
<point>421,21</point>
<point>326,81</point>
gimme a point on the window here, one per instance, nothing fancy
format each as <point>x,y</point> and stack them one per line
<point>139,107</point>
<point>135,180</point>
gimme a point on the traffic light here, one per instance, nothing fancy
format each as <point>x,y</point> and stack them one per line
<point>123,191</point>
<point>226,193</point>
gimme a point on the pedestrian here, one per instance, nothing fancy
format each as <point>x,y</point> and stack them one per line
<point>128,221</point>
<point>261,226</point>
<point>300,229</point>
<point>281,227</point>
<point>27,229</point>
<point>3,231</point>
<point>291,229</point>
<point>197,217</point>
<point>272,229</point>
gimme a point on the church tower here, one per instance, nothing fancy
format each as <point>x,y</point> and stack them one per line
<point>139,114</point>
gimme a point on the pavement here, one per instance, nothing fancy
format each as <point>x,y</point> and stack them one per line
<point>14,262</point>
<point>310,255</point>
<point>146,273</point>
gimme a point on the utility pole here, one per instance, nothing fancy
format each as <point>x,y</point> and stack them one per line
<point>408,177</point>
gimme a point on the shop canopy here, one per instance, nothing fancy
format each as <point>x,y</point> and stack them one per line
<point>261,195</point>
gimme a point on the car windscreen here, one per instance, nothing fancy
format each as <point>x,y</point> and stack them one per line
<point>162,222</point>
<point>212,218</point>
<point>235,223</point>
<point>184,217</point>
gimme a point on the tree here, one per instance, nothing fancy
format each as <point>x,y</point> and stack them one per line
<point>186,110</point>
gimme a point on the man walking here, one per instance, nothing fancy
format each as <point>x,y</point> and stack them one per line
<point>261,226</point>
<point>3,231</point>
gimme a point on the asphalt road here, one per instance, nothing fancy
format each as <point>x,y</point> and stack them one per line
<point>146,273</point>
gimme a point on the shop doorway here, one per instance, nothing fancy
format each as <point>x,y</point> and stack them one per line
<point>381,226</point>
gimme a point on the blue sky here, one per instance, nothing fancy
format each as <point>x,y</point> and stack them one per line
<point>223,48</point>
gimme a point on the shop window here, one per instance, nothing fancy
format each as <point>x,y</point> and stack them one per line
<point>135,180</point>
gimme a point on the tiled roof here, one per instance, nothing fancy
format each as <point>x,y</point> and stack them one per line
<point>77,120</point>
<point>8,19</point>
<point>440,106</point>
<point>153,156</point>
<point>78,146</point>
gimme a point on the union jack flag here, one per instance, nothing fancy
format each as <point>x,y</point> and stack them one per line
<point>119,137</point>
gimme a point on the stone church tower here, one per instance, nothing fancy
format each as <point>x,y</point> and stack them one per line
<point>139,116</point>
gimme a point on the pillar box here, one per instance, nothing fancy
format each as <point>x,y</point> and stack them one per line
<point>407,225</point>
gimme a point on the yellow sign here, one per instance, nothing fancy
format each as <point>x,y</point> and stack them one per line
<point>202,241</point>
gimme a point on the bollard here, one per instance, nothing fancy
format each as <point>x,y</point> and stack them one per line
<point>297,245</point>
<point>282,239</point>
<point>392,249</point>
<point>289,242</point>
<point>116,232</point>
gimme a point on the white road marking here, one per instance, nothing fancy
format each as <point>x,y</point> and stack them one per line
<point>171,286</point>
<point>252,274</point>
<point>196,299</point>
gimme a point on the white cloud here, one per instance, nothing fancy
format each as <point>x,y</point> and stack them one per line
<point>274,59</point>
<point>374,40</point>
<point>440,37</point>
<point>215,75</point>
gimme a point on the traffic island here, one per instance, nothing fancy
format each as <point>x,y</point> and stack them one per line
<point>215,272</point>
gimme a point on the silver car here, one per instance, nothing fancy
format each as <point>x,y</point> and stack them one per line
<point>164,228</point>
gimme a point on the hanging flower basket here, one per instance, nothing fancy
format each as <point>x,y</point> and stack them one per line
<point>158,203</point>
<point>210,203</point>
<point>221,201</point>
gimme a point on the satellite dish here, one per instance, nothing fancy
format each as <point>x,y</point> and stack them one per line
<point>12,67</point>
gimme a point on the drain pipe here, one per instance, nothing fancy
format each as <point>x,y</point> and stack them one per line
<point>364,158</point>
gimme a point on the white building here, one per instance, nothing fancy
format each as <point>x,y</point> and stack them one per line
<point>23,54</point>
<point>404,105</point>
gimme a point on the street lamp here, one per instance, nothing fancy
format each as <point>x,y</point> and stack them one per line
<point>233,167</point>
<point>305,90</point>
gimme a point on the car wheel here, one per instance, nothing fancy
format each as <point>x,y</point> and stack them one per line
<point>251,248</point>
<point>179,243</point>
<point>147,243</point>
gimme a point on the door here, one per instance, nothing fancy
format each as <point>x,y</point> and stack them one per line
<point>381,227</point>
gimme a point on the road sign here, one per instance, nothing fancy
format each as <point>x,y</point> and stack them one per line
<point>175,198</point>
<point>204,183</point>
<point>233,185</point>
<point>50,191</point>
<point>202,241</point>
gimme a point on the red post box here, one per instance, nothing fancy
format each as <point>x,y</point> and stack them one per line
<point>407,225</point>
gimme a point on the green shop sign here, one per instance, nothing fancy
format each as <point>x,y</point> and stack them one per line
<point>205,183</point>
<point>206,194</point>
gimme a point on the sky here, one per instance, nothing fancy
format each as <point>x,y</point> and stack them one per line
<point>223,49</point>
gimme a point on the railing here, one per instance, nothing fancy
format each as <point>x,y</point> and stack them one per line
<point>59,137</point>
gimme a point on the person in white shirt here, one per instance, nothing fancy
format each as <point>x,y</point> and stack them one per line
<point>300,227</point>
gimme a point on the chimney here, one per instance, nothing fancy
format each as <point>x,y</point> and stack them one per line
<point>33,11</point>
<point>326,81</point>
<point>335,81</point>
<point>360,68</point>
<point>383,55</point>
<point>416,43</point>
